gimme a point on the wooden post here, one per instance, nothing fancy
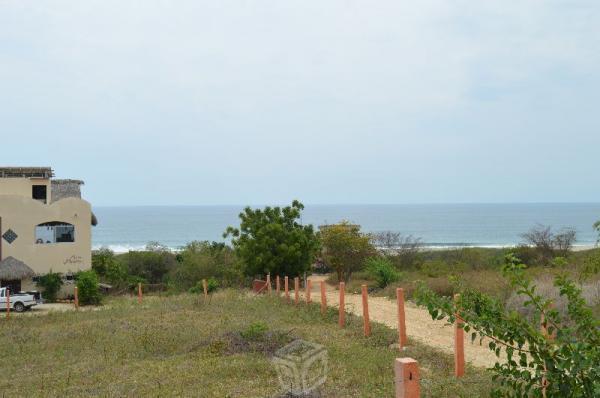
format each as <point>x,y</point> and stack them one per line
<point>76,294</point>
<point>287,288</point>
<point>323,298</point>
<point>277,287</point>
<point>269,284</point>
<point>205,287</point>
<point>402,340</point>
<point>308,289</point>
<point>407,378</point>
<point>139,293</point>
<point>7,303</point>
<point>459,344</point>
<point>365,303</point>
<point>342,315</point>
<point>296,290</point>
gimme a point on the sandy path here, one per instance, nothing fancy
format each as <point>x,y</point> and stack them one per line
<point>419,325</point>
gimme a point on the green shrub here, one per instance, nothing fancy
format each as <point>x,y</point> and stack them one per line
<point>51,283</point>
<point>435,268</point>
<point>87,284</point>
<point>255,331</point>
<point>211,286</point>
<point>382,270</point>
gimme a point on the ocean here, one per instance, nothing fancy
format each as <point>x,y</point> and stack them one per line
<point>438,225</point>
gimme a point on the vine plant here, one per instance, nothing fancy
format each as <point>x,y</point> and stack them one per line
<point>549,354</point>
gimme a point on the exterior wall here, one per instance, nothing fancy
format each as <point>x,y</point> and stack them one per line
<point>22,186</point>
<point>23,214</point>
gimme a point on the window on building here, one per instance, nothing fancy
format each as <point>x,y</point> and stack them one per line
<point>54,232</point>
<point>39,192</point>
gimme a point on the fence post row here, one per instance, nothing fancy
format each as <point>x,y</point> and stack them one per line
<point>287,290</point>
<point>296,290</point>
<point>323,298</point>
<point>459,344</point>
<point>308,289</point>
<point>365,302</point>
<point>342,314</point>
<point>402,339</point>
<point>407,381</point>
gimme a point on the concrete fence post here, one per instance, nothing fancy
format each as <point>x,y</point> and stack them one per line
<point>407,382</point>
<point>7,303</point>
<point>277,286</point>
<point>308,290</point>
<point>459,344</point>
<point>402,340</point>
<point>76,295</point>
<point>342,315</point>
<point>139,293</point>
<point>365,303</point>
<point>296,290</point>
<point>269,284</point>
<point>323,298</point>
<point>287,288</point>
<point>205,287</point>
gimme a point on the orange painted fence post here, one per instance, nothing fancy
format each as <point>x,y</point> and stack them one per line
<point>277,287</point>
<point>402,340</point>
<point>459,344</point>
<point>205,287</point>
<point>308,289</point>
<point>139,293</point>
<point>342,316</point>
<point>365,303</point>
<point>296,290</point>
<point>7,303</point>
<point>406,371</point>
<point>76,298</point>
<point>269,284</point>
<point>323,298</point>
<point>287,288</point>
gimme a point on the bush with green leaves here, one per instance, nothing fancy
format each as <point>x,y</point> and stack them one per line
<point>273,240</point>
<point>382,270</point>
<point>51,284</point>
<point>211,286</point>
<point>564,357</point>
<point>87,286</point>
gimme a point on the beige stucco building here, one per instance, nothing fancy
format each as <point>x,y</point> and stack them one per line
<point>44,224</point>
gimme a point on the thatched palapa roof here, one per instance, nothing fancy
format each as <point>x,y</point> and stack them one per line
<point>13,269</point>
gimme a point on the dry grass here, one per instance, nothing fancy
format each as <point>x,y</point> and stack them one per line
<point>179,346</point>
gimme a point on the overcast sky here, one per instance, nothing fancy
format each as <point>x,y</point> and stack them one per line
<point>254,102</point>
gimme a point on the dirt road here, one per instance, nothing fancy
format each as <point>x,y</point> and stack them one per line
<point>419,325</point>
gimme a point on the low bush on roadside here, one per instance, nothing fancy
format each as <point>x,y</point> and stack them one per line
<point>211,286</point>
<point>51,283</point>
<point>87,285</point>
<point>382,270</point>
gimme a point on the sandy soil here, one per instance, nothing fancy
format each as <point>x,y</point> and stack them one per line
<point>419,325</point>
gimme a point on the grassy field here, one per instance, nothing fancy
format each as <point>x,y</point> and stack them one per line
<point>181,346</point>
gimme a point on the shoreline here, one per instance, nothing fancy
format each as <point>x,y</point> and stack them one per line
<point>122,249</point>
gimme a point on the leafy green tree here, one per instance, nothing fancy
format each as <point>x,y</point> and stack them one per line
<point>564,358</point>
<point>345,248</point>
<point>87,285</point>
<point>273,240</point>
<point>51,283</point>
<point>102,259</point>
<point>153,265</point>
<point>383,270</point>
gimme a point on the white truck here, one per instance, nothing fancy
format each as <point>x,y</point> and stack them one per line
<point>18,301</point>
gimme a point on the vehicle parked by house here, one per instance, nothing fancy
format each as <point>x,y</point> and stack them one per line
<point>18,301</point>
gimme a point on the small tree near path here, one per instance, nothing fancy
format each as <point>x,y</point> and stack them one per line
<point>345,248</point>
<point>273,240</point>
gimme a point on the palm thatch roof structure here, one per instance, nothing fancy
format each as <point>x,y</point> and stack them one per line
<point>13,269</point>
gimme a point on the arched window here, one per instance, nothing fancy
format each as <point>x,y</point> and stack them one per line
<point>54,232</point>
